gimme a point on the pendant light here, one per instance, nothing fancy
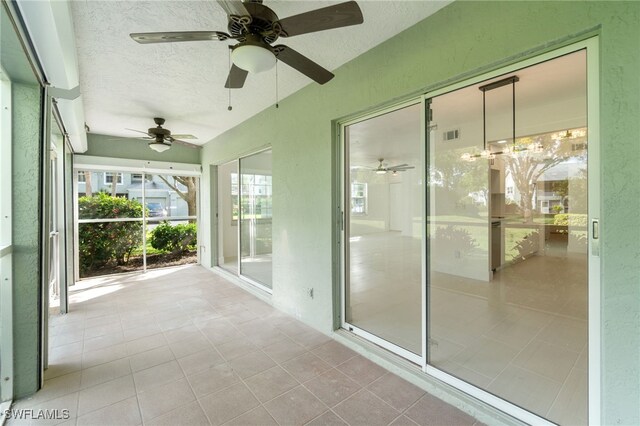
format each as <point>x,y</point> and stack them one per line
<point>487,153</point>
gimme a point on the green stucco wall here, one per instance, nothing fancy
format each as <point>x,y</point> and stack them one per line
<point>137,149</point>
<point>463,39</point>
<point>26,121</point>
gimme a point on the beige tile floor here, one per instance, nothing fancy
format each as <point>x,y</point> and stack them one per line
<point>183,346</point>
<point>524,330</point>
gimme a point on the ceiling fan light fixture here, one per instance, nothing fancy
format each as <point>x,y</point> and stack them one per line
<point>253,58</point>
<point>159,146</point>
<point>381,172</point>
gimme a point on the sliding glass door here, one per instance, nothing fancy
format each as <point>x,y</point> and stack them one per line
<point>481,275</point>
<point>383,192</point>
<point>244,200</point>
<point>228,216</point>
<point>255,204</point>
<point>507,224</point>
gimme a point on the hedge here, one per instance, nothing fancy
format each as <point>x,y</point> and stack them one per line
<point>106,242</point>
<point>175,239</point>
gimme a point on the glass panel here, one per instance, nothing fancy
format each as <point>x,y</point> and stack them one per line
<point>169,242</point>
<point>228,216</point>
<point>507,249</point>
<point>168,196</point>
<point>110,237</point>
<point>255,217</point>
<point>384,287</point>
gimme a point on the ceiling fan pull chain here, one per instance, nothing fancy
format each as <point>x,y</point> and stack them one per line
<point>277,83</point>
<point>229,108</point>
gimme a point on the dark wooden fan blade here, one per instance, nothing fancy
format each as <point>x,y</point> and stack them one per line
<point>301,63</point>
<point>398,165</point>
<point>339,15</point>
<point>236,78</point>
<point>183,136</point>
<point>138,131</point>
<point>234,7</point>
<point>190,145</point>
<point>169,37</point>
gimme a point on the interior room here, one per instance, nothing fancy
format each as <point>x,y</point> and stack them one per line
<point>241,212</point>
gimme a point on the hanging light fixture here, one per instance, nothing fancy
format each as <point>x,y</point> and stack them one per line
<point>253,55</point>
<point>159,145</point>
<point>487,153</point>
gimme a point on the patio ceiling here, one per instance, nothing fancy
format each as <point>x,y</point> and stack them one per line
<point>125,84</point>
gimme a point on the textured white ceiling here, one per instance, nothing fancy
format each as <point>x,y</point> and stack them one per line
<point>126,84</point>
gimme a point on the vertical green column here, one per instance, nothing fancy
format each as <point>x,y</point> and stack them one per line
<point>26,196</point>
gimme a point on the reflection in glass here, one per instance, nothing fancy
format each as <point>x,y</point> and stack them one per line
<point>255,208</point>
<point>384,190</point>
<point>507,248</point>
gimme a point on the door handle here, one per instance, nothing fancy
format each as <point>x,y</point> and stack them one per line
<point>595,237</point>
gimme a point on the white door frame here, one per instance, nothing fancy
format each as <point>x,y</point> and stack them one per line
<point>345,195</point>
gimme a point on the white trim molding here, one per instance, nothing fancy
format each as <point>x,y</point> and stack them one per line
<point>89,162</point>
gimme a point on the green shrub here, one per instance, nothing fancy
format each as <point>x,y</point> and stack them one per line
<point>175,239</point>
<point>570,219</point>
<point>101,243</point>
<point>453,238</point>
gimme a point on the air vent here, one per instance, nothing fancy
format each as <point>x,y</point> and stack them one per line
<point>578,146</point>
<point>451,135</point>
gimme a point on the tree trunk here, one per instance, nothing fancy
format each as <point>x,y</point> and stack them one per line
<point>189,196</point>
<point>88,191</point>
<point>114,184</point>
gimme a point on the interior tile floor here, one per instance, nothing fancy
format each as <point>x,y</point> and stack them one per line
<point>521,336</point>
<point>183,346</point>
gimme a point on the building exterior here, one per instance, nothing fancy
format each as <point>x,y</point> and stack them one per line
<point>159,198</point>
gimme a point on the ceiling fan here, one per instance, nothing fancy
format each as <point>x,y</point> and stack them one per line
<point>256,27</point>
<point>381,169</point>
<point>160,139</point>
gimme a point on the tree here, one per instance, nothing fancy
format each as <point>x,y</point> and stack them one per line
<point>88,191</point>
<point>527,166</point>
<point>458,178</point>
<point>189,196</point>
<point>114,184</point>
